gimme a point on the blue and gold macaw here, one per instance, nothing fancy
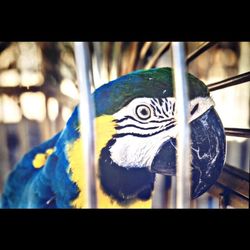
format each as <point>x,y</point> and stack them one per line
<point>136,130</point>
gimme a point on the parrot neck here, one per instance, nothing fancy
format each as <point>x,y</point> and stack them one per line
<point>124,185</point>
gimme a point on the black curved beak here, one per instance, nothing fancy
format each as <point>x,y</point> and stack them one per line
<point>208,149</point>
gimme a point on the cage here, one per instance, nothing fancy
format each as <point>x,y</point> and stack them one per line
<point>42,82</point>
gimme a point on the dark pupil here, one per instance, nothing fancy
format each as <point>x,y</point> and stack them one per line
<point>144,112</point>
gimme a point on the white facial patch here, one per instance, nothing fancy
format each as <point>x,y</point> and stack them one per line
<point>145,124</point>
<point>131,151</point>
<point>203,105</point>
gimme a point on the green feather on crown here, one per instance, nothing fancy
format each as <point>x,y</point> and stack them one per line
<point>155,83</point>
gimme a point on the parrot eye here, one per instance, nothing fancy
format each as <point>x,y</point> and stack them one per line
<point>143,112</point>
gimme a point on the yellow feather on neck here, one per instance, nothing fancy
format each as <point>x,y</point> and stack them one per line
<point>105,129</point>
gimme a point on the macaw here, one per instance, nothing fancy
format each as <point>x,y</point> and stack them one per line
<point>135,124</point>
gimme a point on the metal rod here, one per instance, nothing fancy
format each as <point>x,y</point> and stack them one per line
<point>242,78</point>
<point>172,193</point>
<point>236,181</point>
<point>238,132</point>
<point>204,47</point>
<point>86,110</point>
<point>159,195</point>
<point>183,168</point>
<point>152,62</point>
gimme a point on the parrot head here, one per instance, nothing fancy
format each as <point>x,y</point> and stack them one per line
<point>143,113</point>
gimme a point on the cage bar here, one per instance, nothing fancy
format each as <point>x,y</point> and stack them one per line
<point>232,81</point>
<point>159,194</point>
<point>238,132</point>
<point>86,111</point>
<point>233,182</point>
<point>183,167</point>
<point>203,48</point>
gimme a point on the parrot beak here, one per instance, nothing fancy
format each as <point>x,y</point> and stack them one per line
<point>165,160</point>
<point>208,149</point>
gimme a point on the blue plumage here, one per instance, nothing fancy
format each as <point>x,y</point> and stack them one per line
<point>46,187</point>
<point>20,181</point>
<point>44,177</point>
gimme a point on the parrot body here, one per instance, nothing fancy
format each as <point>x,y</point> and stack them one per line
<point>135,138</point>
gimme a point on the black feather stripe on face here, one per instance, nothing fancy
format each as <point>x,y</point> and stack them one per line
<point>124,185</point>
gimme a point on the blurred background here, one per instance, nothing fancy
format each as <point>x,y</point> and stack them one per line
<point>39,89</point>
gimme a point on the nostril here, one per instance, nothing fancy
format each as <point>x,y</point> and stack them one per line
<point>194,109</point>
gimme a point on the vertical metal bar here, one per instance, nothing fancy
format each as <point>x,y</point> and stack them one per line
<point>172,193</point>
<point>86,110</point>
<point>159,195</point>
<point>183,169</point>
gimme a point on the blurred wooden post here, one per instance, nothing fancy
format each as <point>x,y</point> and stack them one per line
<point>4,167</point>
